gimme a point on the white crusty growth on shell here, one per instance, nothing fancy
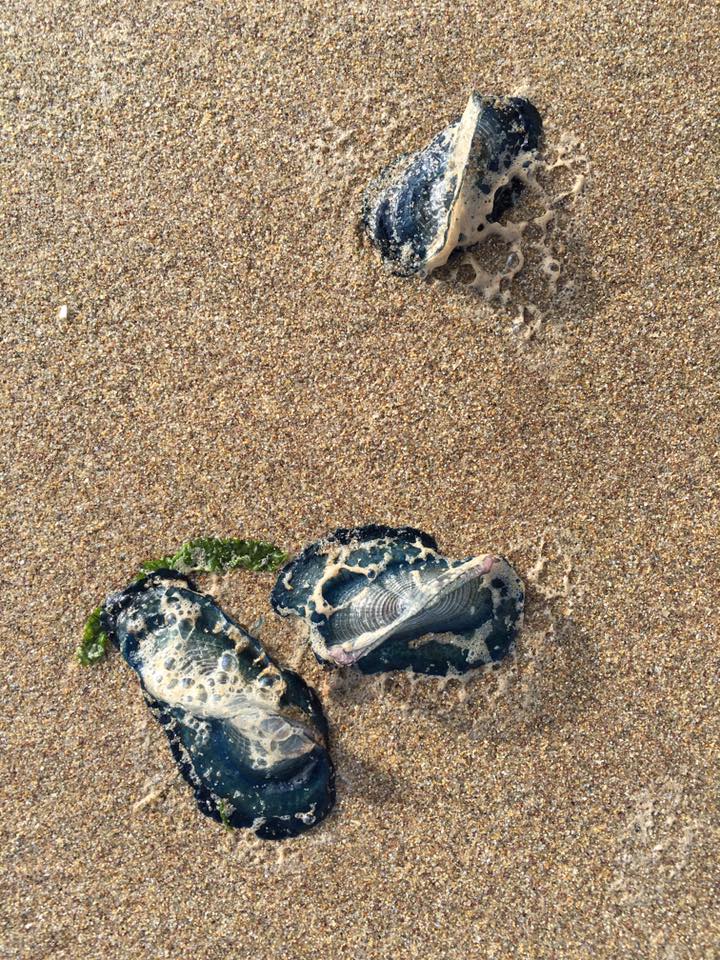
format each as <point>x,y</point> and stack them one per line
<point>185,672</point>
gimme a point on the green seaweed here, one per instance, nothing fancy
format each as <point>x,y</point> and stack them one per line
<point>150,566</point>
<point>224,816</point>
<point>94,643</point>
<point>202,555</point>
<point>220,555</point>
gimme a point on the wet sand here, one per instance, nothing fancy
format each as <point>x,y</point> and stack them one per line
<point>185,178</point>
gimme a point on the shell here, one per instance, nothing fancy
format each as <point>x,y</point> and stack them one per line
<point>249,736</point>
<point>427,204</point>
<point>383,598</point>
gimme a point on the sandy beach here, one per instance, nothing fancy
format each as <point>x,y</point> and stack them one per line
<point>196,340</point>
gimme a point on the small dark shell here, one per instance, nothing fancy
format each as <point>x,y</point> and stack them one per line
<point>427,204</point>
<point>249,736</point>
<point>384,598</point>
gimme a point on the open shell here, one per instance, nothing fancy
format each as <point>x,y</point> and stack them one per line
<point>249,736</point>
<point>384,598</point>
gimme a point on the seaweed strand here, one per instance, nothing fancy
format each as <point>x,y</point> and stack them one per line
<point>201,555</point>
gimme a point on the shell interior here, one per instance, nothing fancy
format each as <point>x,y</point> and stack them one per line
<point>249,736</point>
<point>384,598</point>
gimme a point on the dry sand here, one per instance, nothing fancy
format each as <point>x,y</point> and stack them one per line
<point>185,178</point>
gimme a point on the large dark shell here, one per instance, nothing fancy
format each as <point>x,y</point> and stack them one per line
<point>384,598</point>
<point>427,204</point>
<point>249,736</point>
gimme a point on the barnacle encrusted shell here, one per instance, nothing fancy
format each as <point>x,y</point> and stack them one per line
<point>249,736</point>
<point>427,204</point>
<point>384,598</point>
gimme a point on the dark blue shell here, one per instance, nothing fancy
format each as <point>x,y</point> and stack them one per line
<point>255,749</point>
<point>409,206</point>
<point>378,580</point>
